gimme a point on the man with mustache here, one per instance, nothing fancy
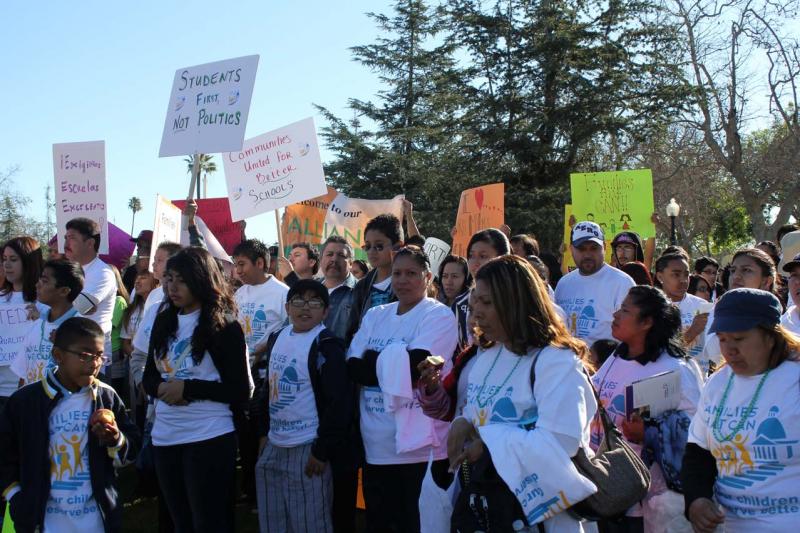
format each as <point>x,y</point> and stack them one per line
<point>336,259</point>
<point>592,293</point>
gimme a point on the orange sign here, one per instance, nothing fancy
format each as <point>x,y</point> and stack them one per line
<point>305,221</point>
<point>478,209</point>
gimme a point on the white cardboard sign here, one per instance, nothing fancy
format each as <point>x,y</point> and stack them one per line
<point>14,326</point>
<point>79,170</point>
<point>208,107</point>
<point>436,250</point>
<point>166,227</point>
<point>273,170</point>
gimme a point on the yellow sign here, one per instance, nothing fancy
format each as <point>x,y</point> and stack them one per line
<point>616,201</point>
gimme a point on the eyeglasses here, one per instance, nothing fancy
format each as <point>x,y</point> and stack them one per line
<point>313,303</point>
<point>377,247</point>
<point>86,357</point>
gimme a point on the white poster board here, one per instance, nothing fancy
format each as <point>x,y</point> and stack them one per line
<point>436,250</point>
<point>273,170</point>
<point>208,107</point>
<point>166,227</point>
<point>79,170</point>
<point>654,395</point>
<point>14,326</point>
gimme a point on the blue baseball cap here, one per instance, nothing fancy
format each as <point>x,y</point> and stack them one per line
<point>743,309</point>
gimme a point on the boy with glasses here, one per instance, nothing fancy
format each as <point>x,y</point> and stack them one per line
<point>307,405</point>
<point>71,430</point>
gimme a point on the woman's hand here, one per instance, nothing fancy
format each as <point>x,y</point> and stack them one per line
<point>463,443</point>
<point>314,467</point>
<point>705,515</point>
<point>430,376</point>
<point>633,429</point>
<point>697,327</point>
<point>171,392</point>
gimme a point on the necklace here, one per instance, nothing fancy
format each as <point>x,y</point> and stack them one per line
<point>717,425</point>
<point>483,403</point>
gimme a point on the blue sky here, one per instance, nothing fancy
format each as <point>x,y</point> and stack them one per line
<point>103,71</point>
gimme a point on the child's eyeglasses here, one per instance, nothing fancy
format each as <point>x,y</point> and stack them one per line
<point>86,357</point>
<point>313,303</point>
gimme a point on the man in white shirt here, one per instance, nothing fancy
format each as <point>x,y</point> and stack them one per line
<point>591,293</point>
<point>96,300</point>
<point>791,318</point>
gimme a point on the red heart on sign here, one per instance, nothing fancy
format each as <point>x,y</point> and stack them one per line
<point>479,198</point>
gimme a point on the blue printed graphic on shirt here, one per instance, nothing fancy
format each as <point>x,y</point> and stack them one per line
<point>70,481</point>
<point>178,363</point>
<point>255,323</point>
<point>743,463</point>
<point>580,316</point>
<point>378,297</point>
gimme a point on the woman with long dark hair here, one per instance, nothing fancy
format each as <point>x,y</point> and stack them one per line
<point>22,266</point>
<point>455,282</point>
<point>648,327</point>
<point>528,409</point>
<point>197,368</point>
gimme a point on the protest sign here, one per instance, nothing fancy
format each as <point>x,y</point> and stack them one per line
<point>315,220</point>
<point>436,250</point>
<point>166,227</point>
<point>216,213</point>
<point>274,170</point>
<point>212,244</point>
<point>479,208</point>
<point>616,201</point>
<point>79,170</point>
<point>14,326</point>
<point>208,107</point>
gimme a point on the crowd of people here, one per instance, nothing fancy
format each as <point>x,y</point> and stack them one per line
<point>455,400</point>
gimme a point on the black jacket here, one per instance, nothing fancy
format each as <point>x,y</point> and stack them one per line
<point>25,460</point>
<point>228,352</point>
<point>361,295</point>
<point>334,396</point>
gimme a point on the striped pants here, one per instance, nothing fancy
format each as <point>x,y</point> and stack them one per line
<point>288,500</point>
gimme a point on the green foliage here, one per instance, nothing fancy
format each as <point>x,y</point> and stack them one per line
<point>511,91</point>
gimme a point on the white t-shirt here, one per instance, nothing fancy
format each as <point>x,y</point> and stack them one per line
<point>712,352</point>
<point>36,358</point>
<point>430,326</point>
<point>128,332</point>
<point>293,418</point>
<point>758,469</point>
<point>71,506</point>
<point>101,284</point>
<point>155,297</point>
<point>141,339</point>
<point>262,310</point>
<point>499,391</point>
<point>201,419</point>
<point>791,319</point>
<point>617,373</point>
<point>690,307</point>
<point>13,344</point>
<point>590,301</point>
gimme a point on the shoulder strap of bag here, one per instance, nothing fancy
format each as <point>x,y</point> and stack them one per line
<point>608,425</point>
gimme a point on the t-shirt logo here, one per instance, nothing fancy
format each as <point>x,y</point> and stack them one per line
<point>284,389</point>
<point>742,463</point>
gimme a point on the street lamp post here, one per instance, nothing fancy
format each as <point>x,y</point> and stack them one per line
<point>673,210</point>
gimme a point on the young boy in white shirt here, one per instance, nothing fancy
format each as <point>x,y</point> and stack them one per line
<point>60,283</point>
<point>305,412</point>
<point>62,438</point>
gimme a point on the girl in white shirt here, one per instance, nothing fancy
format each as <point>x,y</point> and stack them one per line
<point>511,436</point>
<point>741,470</point>
<point>197,369</point>
<point>22,267</point>
<point>384,356</point>
<point>648,327</point>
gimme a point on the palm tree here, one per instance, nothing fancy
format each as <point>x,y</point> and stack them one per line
<point>207,165</point>
<point>135,205</point>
